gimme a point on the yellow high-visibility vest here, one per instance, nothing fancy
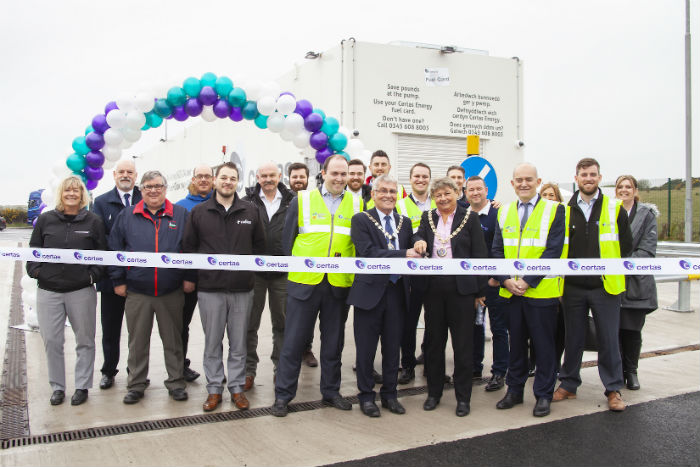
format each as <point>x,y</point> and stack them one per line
<point>609,240</point>
<point>407,207</point>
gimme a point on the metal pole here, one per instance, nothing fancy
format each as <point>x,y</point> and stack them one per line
<point>668,216</point>
<point>688,133</point>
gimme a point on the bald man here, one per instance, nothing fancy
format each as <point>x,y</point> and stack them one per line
<point>272,199</point>
<point>200,190</point>
<point>107,206</point>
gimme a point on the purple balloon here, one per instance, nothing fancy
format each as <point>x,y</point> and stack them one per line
<point>179,113</point>
<point>94,173</point>
<point>304,108</point>
<point>287,93</point>
<point>110,106</point>
<point>313,122</point>
<point>34,221</point>
<point>193,107</point>
<point>42,206</point>
<point>95,159</point>
<point>323,154</point>
<point>222,109</point>
<point>236,114</point>
<point>99,123</point>
<point>91,184</point>
<point>207,96</point>
<point>318,140</point>
<point>94,141</point>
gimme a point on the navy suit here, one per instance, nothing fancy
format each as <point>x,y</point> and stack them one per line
<point>108,206</point>
<point>534,318</point>
<point>379,304</point>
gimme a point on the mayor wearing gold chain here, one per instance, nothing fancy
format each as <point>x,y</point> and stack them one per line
<point>450,231</point>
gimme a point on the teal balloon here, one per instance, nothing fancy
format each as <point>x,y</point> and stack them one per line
<point>162,108</point>
<point>236,97</point>
<point>76,162</point>
<point>145,127</point>
<point>321,113</point>
<point>223,86</point>
<point>337,142</point>
<point>261,121</point>
<point>208,79</point>
<point>345,155</point>
<point>80,174</point>
<point>176,96</point>
<point>80,146</point>
<point>192,86</point>
<point>153,120</point>
<point>250,110</point>
<point>89,129</point>
<point>330,126</point>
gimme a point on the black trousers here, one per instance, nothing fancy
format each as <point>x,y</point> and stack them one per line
<point>447,310</point>
<point>408,338</point>
<point>111,316</point>
<point>385,321</point>
<point>187,312</point>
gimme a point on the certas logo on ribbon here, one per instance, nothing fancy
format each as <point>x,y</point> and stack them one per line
<point>260,262</point>
<point>309,263</point>
<point>683,263</point>
<point>211,260</point>
<point>412,265</point>
<point>165,259</point>
<point>466,265</point>
<point>36,253</point>
<point>121,257</point>
<point>360,264</point>
<point>77,255</point>
<point>629,265</point>
<point>573,265</point>
<point>519,265</point>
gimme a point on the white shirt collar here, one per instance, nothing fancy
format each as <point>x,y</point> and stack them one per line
<point>278,195</point>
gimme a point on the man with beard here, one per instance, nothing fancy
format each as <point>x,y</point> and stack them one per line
<point>107,206</point>
<point>272,199</point>
<point>356,175</point>
<point>598,228</point>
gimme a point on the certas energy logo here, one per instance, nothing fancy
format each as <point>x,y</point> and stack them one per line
<point>574,265</point>
<point>412,265</point>
<point>121,257</point>
<point>683,263</point>
<point>10,254</point>
<point>629,265</point>
<point>77,255</point>
<point>360,264</point>
<point>260,262</point>
<point>165,259</point>
<point>309,263</point>
<point>519,265</point>
<point>37,254</point>
<point>211,260</point>
<point>466,265</point>
<point>92,259</point>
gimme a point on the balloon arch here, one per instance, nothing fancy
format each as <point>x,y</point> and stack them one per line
<point>212,98</point>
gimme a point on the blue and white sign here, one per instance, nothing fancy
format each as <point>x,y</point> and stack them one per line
<point>476,165</point>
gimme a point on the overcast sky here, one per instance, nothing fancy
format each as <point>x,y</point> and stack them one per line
<point>601,78</point>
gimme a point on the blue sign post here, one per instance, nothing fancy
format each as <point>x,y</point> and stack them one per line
<point>476,165</point>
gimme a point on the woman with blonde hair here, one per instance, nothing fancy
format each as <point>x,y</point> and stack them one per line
<point>68,290</point>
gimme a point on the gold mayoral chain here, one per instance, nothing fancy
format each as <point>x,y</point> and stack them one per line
<point>442,251</point>
<point>389,237</point>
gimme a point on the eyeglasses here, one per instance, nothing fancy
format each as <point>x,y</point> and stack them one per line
<point>153,187</point>
<point>384,191</point>
<point>203,177</point>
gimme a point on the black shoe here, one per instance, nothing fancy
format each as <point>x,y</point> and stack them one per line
<point>178,394</point>
<point>421,359</point>
<point>430,403</point>
<point>133,397</point>
<point>406,375</point>
<point>495,383</point>
<point>189,374</point>
<point>378,379</point>
<point>462,409</point>
<point>338,402</point>
<point>370,409</point>
<point>632,381</point>
<point>541,407</point>
<point>106,382</point>
<point>531,373</point>
<point>79,396</point>
<point>448,379</point>
<point>510,400</point>
<point>57,397</point>
<point>394,406</point>
<point>279,408</point>
<point>476,375</point>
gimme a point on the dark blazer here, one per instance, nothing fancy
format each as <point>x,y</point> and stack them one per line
<point>469,243</point>
<point>370,242</point>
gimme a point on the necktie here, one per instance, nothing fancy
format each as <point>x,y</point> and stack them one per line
<point>387,226</point>
<point>126,199</point>
<point>526,214</point>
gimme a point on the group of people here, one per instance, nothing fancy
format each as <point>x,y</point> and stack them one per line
<point>532,317</point>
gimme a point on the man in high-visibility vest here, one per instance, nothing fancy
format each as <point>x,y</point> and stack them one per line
<point>317,224</point>
<point>530,228</point>
<point>598,228</point>
<point>379,164</point>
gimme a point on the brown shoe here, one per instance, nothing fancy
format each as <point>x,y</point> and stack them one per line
<point>249,382</point>
<point>212,402</point>
<point>310,359</point>
<point>615,402</point>
<point>561,394</point>
<point>240,400</point>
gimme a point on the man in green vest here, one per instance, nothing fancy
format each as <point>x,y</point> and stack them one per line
<point>530,228</point>
<point>317,225</point>
<point>598,228</point>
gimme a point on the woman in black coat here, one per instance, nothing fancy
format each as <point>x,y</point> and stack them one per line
<point>450,231</point>
<point>640,294</point>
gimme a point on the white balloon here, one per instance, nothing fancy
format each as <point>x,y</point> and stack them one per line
<point>131,135</point>
<point>47,196</point>
<point>286,104</point>
<point>30,316</point>
<point>301,140</point>
<point>135,119</point>
<point>252,90</point>
<point>346,132</point>
<point>112,153</point>
<point>112,137</point>
<point>275,123</point>
<point>125,144</point>
<point>144,101</point>
<point>125,101</point>
<point>355,148</point>
<point>208,114</point>
<point>116,118</point>
<point>28,283</point>
<point>108,164</point>
<point>287,135</point>
<point>60,170</point>
<point>29,297</point>
<point>266,105</point>
<point>294,123</point>
<point>271,88</point>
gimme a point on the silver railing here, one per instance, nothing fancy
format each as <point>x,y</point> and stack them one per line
<point>679,249</point>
